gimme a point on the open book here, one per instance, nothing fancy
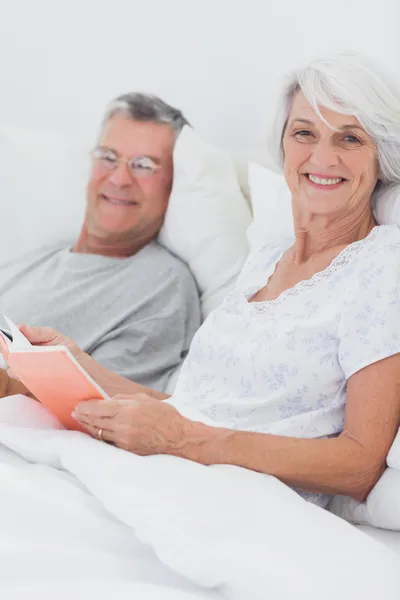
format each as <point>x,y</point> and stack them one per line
<point>51,373</point>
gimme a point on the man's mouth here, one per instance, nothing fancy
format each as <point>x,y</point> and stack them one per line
<point>327,181</point>
<point>118,201</point>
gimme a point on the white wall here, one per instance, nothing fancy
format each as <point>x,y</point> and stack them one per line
<point>218,60</point>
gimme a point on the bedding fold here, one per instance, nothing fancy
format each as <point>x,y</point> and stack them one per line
<point>220,531</point>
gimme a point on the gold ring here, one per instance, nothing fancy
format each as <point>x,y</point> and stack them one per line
<point>100,435</point>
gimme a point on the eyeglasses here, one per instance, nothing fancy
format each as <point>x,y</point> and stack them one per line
<point>139,166</point>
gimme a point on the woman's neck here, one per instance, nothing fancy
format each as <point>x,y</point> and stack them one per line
<point>315,235</point>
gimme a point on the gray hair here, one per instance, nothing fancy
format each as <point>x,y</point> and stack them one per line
<point>350,85</point>
<point>146,107</point>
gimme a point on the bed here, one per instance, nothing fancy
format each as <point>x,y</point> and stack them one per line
<point>391,539</point>
<point>80,518</point>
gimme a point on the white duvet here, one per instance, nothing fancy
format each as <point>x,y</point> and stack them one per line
<point>82,519</point>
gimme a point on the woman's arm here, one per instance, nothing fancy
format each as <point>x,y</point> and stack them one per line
<point>349,465</point>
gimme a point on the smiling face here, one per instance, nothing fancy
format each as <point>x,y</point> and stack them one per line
<point>330,172</point>
<point>120,205</point>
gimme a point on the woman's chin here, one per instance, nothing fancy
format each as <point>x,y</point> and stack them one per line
<point>323,204</point>
<point>321,210</point>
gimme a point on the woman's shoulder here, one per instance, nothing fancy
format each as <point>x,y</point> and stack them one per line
<point>382,247</point>
<point>385,238</point>
<point>377,265</point>
<point>268,250</point>
<point>260,260</point>
<point>265,254</point>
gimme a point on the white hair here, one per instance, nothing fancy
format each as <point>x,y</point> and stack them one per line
<point>350,85</point>
<point>146,107</point>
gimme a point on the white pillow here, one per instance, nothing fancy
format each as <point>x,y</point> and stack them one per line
<point>207,217</point>
<point>380,509</point>
<point>387,205</point>
<point>43,178</point>
<point>272,209</point>
<point>393,458</point>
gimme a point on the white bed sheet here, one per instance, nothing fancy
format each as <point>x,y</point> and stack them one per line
<point>78,513</point>
<point>391,539</point>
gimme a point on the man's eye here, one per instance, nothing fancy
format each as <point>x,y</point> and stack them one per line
<point>109,159</point>
<point>144,164</point>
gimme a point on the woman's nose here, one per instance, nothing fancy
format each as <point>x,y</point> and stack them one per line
<point>324,155</point>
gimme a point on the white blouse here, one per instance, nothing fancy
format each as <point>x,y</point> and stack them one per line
<point>281,366</point>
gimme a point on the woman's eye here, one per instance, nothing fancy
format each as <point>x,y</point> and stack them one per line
<point>303,135</point>
<point>351,139</point>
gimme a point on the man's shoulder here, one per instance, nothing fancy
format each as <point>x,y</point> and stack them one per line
<point>159,261</point>
<point>50,249</point>
<point>35,255</point>
<point>159,272</point>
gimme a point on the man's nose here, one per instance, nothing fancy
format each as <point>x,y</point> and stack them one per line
<point>121,176</point>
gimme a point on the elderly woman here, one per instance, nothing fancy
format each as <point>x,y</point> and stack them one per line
<point>297,374</point>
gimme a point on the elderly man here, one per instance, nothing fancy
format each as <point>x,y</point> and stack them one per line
<point>131,305</point>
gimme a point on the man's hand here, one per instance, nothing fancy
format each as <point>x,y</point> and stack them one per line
<point>137,423</point>
<point>45,336</point>
<point>39,336</point>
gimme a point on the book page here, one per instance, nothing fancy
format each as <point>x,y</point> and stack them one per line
<point>19,341</point>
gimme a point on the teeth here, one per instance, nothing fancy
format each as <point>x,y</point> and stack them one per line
<point>325,181</point>
<point>119,202</point>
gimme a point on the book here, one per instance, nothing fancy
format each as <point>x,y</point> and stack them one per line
<point>51,373</point>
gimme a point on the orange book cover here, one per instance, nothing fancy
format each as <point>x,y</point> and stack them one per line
<point>51,373</point>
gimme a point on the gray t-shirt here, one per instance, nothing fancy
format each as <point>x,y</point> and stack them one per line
<point>136,316</point>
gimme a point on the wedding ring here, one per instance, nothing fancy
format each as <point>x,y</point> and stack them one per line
<point>100,435</point>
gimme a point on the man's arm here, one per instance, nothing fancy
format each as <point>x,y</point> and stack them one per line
<point>11,387</point>
<point>4,382</point>
<point>112,383</point>
<point>153,339</point>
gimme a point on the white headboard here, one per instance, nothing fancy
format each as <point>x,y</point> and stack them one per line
<point>220,61</point>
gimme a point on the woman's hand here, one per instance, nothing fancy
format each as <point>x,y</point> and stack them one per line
<point>138,423</point>
<point>45,336</point>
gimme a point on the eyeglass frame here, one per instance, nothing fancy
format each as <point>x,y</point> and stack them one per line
<point>133,170</point>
